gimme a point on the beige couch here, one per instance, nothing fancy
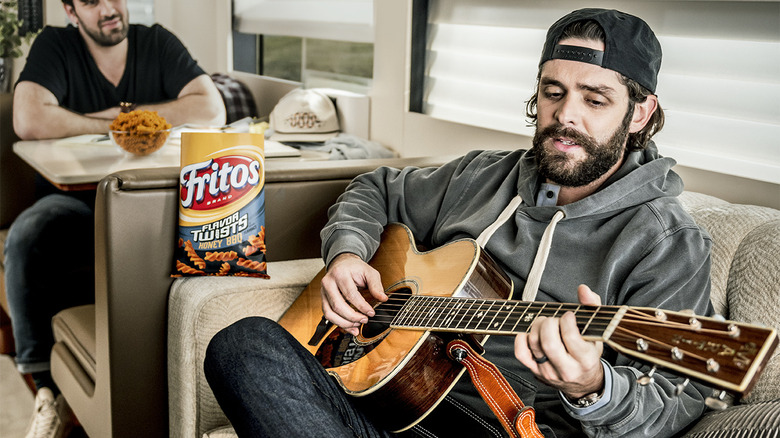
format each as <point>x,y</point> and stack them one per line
<point>109,359</point>
<point>745,287</point>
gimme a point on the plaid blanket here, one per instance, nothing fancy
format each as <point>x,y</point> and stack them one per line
<point>239,102</point>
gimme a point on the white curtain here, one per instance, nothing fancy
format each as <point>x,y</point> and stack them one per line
<point>719,83</point>
<point>341,20</point>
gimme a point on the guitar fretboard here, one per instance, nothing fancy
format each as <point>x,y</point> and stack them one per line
<point>495,317</point>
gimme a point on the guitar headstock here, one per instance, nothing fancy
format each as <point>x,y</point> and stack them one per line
<point>722,354</point>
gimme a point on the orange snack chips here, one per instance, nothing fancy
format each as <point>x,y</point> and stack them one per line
<point>140,132</point>
<point>221,205</point>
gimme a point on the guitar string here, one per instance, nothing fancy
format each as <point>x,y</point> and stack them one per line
<point>635,335</point>
<point>649,321</point>
<point>655,322</point>
<point>510,307</point>
<point>417,306</point>
<point>620,332</point>
<point>507,308</point>
<point>505,304</point>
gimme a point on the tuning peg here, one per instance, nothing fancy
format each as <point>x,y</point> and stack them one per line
<point>681,386</point>
<point>648,378</point>
<point>717,403</point>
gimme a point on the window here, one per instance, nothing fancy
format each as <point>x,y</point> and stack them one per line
<point>718,82</point>
<point>141,11</point>
<point>322,43</point>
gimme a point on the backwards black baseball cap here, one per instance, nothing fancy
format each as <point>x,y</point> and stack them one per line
<point>630,46</point>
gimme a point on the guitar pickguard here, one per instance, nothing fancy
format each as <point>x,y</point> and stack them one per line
<point>341,348</point>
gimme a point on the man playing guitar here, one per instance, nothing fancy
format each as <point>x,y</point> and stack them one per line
<point>588,215</point>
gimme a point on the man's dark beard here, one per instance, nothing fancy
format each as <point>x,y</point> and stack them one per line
<point>110,39</point>
<point>556,167</point>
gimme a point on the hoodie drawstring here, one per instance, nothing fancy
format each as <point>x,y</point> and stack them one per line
<point>540,261</point>
<point>483,238</point>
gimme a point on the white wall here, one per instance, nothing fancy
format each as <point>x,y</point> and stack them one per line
<point>204,28</point>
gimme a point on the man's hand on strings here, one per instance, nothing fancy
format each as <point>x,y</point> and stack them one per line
<point>342,301</point>
<point>556,353</point>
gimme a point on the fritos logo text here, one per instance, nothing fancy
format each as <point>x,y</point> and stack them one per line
<point>218,182</point>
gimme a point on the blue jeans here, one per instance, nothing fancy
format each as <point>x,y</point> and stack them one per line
<point>268,385</point>
<point>49,266</point>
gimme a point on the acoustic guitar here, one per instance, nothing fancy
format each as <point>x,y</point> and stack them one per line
<point>398,367</point>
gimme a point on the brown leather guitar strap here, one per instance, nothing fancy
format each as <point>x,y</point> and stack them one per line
<point>518,420</point>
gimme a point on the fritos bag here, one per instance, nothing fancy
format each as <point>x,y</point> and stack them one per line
<point>221,205</point>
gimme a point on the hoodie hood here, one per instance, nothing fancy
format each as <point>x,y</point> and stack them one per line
<point>644,176</point>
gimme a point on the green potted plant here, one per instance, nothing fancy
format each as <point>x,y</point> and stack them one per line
<point>10,41</point>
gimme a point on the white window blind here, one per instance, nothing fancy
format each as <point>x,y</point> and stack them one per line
<point>341,20</point>
<point>719,83</point>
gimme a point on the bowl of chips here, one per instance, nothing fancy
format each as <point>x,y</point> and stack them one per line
<point>140,132</point>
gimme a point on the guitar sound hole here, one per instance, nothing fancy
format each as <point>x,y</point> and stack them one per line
<point>385,312</point>
<point>341,348</point>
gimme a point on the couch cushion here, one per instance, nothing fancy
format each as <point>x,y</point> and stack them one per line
<point>745,271</point>
<point>754,421</point>
<point>754,296</point>
<point>728,224</point>
<point>201,306</point>
<point>75,327</point>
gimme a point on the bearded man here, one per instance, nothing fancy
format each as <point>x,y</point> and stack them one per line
<point>592,198</point>
<point>75,77</point>
<point>73,83</point>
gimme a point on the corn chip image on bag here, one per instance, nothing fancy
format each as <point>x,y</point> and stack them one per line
<point>221,205</point>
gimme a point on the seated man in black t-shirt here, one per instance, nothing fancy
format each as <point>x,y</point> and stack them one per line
<point>75,77</point>
<point>72,84</point>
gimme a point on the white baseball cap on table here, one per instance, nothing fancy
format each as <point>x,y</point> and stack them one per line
<point>304,116</point>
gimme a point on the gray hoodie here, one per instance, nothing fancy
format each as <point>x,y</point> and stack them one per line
<point>631,242</point>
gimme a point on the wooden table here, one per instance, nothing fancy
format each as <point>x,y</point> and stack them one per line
<point>79,163</point>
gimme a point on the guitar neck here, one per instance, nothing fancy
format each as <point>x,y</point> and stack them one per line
<point>722,354</point>
<point>498,317</point>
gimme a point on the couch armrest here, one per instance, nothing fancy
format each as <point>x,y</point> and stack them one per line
<point>198,309</point>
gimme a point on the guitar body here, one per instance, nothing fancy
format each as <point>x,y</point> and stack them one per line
<point>397,368</point>
<point>400,375</point>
